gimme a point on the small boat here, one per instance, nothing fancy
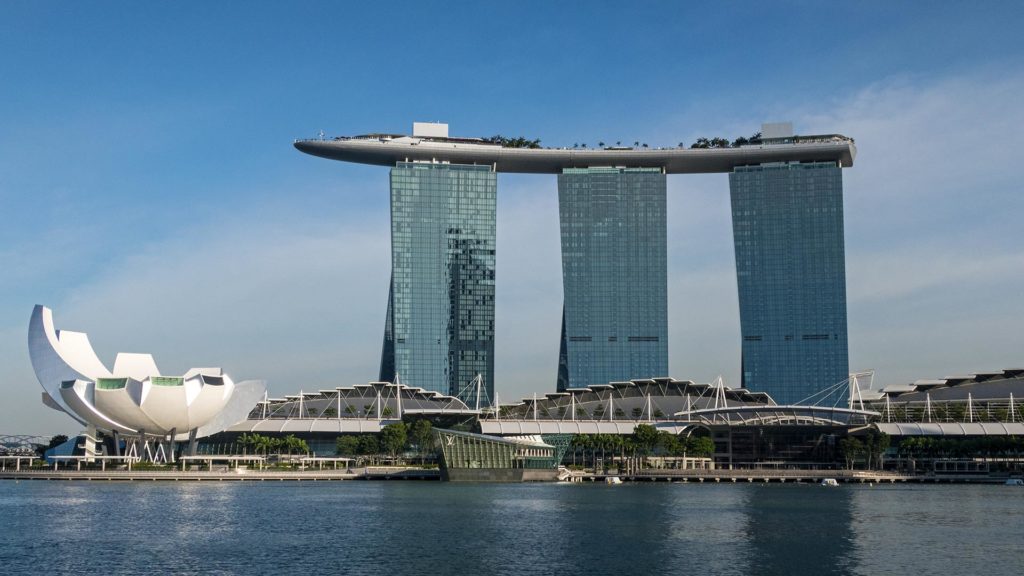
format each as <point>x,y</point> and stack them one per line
<point>1015,482</point>
<point>613,480</point>
<point>829,482</point>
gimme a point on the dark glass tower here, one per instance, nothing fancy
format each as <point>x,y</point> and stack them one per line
<point>787,223</point>
<point>614,275</point>
<point>439,332</point>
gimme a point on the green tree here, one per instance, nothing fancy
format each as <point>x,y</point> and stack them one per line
<point>393,438</point>
<point>369,445</point>
<point>54,442</point>
<point>517,142</point>
<point>246,441</point>
<point>292,443</point>
<point>852,449</point>
<point>422,433</point>
<point>646,437</point>
<point>882,443</point>
<point>347,445</point>
<point>700,447</point>
<point>669,443</point>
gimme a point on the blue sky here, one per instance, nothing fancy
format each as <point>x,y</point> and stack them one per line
<point>149,192</point>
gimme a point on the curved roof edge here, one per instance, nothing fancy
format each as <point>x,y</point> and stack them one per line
<point>389,150</point>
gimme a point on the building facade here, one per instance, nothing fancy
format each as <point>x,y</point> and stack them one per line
<point>439,332</point>
<point>791,276</point>
<point>614,275</point>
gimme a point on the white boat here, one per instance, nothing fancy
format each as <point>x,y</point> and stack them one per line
<point>1015,482</point>
<point>829,482</point>
<point>613,480</point>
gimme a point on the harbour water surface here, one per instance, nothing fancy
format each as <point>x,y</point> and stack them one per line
<point>400,528</point>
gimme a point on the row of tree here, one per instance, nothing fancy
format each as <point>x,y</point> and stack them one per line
<point>516,142</point>
<point>393,440</point>
<point>646,440</point>
<point>867,450</point>
<point>724,143</point>
<point>976,447</point>
<point>717,142</point>
<point>266,445</point>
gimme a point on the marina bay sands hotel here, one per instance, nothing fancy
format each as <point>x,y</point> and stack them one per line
<point>787,216</point>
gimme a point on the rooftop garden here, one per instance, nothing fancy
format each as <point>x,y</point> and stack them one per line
<point>701,143</point>
<point>724,143</point>
<point>517,142</point>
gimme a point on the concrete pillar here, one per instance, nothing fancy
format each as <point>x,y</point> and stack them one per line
<point>192,444</point>
<point>170,444</point>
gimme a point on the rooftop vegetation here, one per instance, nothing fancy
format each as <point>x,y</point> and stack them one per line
<point>719,142</point>
<point>517,142</point>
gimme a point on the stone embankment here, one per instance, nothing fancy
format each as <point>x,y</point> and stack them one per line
<point>231,475</point>
<point>795,476</point>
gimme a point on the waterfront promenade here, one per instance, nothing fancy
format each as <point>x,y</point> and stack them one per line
<point>415,473</point>
<point>229,475</point>
<point>792,476</point>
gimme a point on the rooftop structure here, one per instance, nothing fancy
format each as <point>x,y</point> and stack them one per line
<point>982,404</point>
<point>349,409</point>
<point>435,146</point>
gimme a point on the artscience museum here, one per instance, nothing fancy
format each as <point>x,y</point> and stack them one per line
<point>133,401</point>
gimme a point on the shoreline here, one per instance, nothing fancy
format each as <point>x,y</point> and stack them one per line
<point>750,476</point>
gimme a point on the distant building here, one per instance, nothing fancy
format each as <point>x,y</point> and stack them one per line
<point>439,332</point>
<point>791,274</point>
<point>614,275</point>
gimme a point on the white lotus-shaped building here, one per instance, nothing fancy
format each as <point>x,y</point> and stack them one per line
<point>133,398</point>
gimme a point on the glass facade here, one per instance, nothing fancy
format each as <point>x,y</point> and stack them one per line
<point>439,332</point>
<point>614,275</point>
<point>787,223</point>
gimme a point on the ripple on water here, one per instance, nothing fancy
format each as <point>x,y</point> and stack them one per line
<point>399,528</point>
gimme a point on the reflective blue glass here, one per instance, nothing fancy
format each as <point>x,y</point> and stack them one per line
<point>439,332</point>
<point>614,275</point>
<point>791,274</point>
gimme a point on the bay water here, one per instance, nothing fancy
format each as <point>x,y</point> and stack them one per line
<point>402,528</point>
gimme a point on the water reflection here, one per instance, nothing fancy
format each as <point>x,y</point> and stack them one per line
<point>398,528</point>
<point>706,529</point>
<point>799,529</point>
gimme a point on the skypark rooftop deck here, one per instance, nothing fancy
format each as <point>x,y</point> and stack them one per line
<point>389,149</point>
